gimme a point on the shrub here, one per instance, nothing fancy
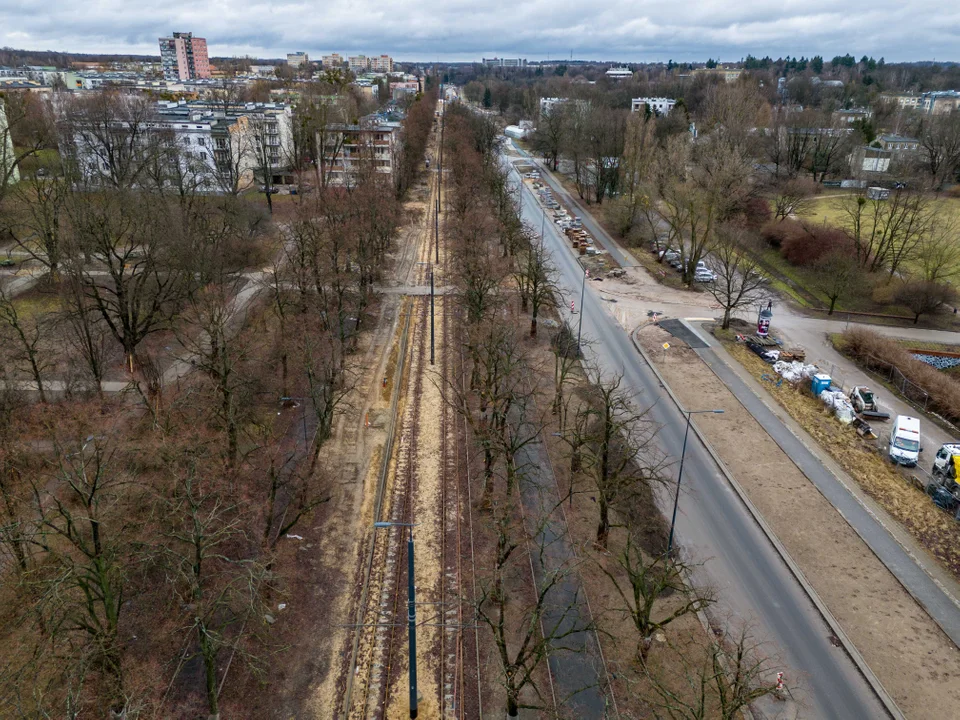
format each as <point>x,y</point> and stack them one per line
<point>876,352</point>
<point>756,212</point>
<point>885,293</point>
<point>812,243</point>
<point>775,233</point>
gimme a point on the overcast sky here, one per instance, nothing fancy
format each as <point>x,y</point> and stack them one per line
<point>640,30</point>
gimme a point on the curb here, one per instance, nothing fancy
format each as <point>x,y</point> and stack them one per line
<point>885,699</point>
<point>777,410</point>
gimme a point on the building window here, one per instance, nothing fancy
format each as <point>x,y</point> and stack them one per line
<point>201,142</point>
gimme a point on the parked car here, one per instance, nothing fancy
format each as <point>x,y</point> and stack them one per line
<point>669,255</point>
<point>704,276</point>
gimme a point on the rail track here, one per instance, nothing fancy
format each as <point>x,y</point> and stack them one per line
<point>431,490</point>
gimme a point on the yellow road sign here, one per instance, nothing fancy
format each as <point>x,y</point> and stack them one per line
<point>666,346</point>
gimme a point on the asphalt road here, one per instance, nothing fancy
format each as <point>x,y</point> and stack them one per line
<point>715,529</point>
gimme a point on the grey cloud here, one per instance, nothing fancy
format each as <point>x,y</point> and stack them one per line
<point>465,29</point>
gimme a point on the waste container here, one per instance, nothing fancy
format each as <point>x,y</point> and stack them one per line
<point>819,383</point>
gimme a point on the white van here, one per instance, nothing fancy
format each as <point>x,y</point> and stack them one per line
<point>905,441</point>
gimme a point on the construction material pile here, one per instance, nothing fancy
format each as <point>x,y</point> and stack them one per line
<point>840,404</point>
<point>794,372</point>
<point>940,362</point>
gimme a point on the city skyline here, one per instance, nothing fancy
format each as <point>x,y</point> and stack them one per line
<point>624,31</point>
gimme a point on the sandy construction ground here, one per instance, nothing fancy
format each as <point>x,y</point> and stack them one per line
<point>910,655</point>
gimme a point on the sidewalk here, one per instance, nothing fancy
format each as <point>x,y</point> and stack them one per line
<point>576,667</point>
<point>931,586</point>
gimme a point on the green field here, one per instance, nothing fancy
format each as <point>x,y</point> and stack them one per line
<point>829,208</point>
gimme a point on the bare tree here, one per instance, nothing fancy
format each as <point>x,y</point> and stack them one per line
<point>732,673</point>
<point>26,337</point>
<point>550,136</point>
<point>885,232</point>
<point>14,489</point>
<point>26,128</point>
<point>208,333</point>
<point>938,254</point>
<point>535,277</point>
<point>829,148</point>
<point>107,138</point>
<point>620,458</point>
<point>265,152</point>
<point>939,137</point>
<point>82,534</point>
<point>924,297</point>
<point>38,228</point>
<point>691,216</point>
<point>526,631</point>
<point>642,585</point>
<point>143,277</point>
<point>739,281</point>
<point>793,197</point>
<point>838,275</point>
<point>87,332</point>
<point>219,589</point>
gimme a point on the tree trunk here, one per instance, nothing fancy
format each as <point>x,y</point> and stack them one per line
<point>209,653</point>
<point>833,302</point>
<point>513,705</point>
<point>726,319</point>
<point>603,528</point>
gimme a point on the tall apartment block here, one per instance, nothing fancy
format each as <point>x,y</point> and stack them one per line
<point>184,57</point>
<point>297,59</point>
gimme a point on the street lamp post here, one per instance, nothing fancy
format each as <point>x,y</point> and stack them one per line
<point>683,452</point>
<point>411,612</point>
<point>583,286</point>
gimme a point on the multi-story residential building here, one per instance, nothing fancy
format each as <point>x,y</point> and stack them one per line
<point>898,144</point>
<point>184,57</point>
<point>619,73</point>
<point>906,101</point>
<point>657,105</point>
<point>333,60</point>
<point>940,102</point>
<point>400,89</point>
<point>9,172</point>
<point>384,63</point>
<point>351,149</point>
<point>549,104</point>
<point>297,59</point>
<point>224,149</point>
<point>852,115</point>
<point>358,63</point>
<point>507,63</point>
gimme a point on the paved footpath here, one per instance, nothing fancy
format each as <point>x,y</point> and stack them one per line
<point>575,665</point>
<point>932,588</point>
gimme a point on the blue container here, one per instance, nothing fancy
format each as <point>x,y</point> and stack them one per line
<point>819,383</point>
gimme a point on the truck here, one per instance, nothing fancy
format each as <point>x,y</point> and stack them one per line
<point>904,448</point>
<point>943,487</point>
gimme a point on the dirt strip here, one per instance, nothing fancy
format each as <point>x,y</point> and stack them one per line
<point>913,659</point>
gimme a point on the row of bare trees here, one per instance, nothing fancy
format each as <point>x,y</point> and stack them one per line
<point>504,278</point>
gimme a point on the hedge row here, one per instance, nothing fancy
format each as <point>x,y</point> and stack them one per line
<point>876,352</point>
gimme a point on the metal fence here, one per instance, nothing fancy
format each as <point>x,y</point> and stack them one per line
<point>907,388</point>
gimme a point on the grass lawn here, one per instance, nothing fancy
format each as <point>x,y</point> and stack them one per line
<point>829,208</point>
